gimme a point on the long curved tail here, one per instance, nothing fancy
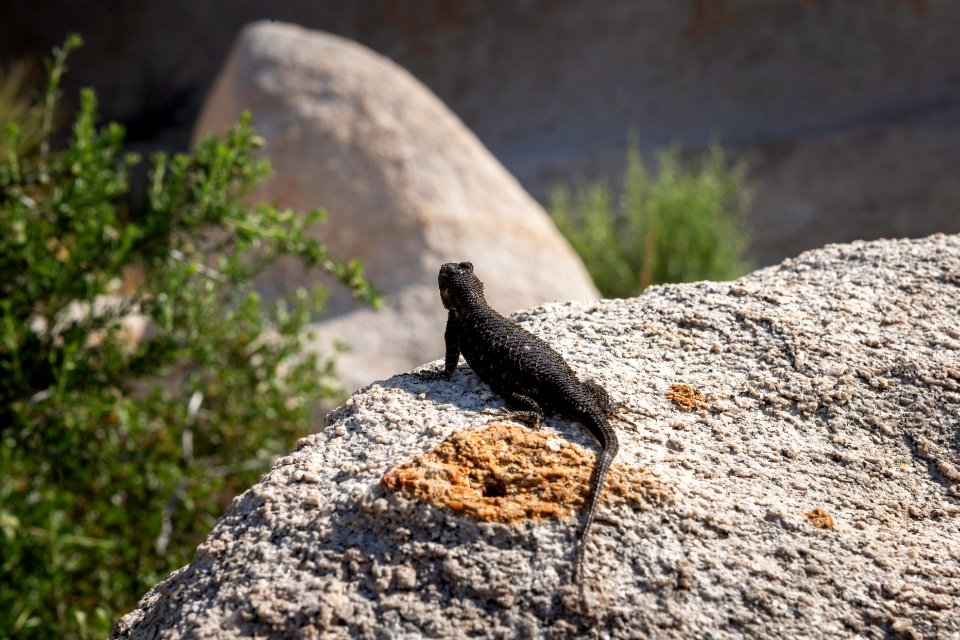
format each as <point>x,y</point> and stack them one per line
<point>609,445</point>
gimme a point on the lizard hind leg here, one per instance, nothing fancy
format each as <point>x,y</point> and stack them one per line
<point>600,396</point>
<point>525,409</point>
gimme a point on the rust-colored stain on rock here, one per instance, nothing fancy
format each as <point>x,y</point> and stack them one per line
<point>820,518</point>
<point>685,396</point>
<point>507,473</point>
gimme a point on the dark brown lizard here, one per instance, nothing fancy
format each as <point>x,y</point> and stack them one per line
<point>531,376</point>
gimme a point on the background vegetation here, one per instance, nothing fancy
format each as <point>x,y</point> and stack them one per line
<point>120,447</point>
<point>681,223</point>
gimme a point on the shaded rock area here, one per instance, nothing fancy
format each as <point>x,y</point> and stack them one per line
<point>849,111</point>
<point>406,185</point>
<point>797,433</point>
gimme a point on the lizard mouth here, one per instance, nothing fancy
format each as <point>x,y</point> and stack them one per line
<point>445,296</point>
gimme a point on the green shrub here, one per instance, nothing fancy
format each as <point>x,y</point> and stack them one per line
<point>117,453</point>
<point>17,109</point>
<point>679,225</point>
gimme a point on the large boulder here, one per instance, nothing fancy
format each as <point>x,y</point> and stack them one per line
<point>406,185</point>
<point>789,467</point>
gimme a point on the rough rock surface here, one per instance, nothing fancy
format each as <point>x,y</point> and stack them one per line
<point>803,423</point>
<point>406,185</point>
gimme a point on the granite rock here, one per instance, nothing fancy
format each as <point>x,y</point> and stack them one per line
<point>798,428</point>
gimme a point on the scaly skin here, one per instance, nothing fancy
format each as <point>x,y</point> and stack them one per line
<point>532,377</point>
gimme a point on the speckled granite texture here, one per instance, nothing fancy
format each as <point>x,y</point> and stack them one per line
<point>830,383</point>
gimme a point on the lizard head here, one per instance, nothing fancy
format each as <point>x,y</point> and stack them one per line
<point>458,283</point>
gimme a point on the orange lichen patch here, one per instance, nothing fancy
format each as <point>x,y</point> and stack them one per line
<point>507,473</point>
<point>685,396</point>
<point>820,518</point>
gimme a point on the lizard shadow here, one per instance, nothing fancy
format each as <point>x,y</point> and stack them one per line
<point>467,394</point>
<point>464,390</point>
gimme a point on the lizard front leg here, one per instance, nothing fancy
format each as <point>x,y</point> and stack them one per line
<point>451,338</point>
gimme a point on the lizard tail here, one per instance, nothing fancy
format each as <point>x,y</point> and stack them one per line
<point>607,453</point>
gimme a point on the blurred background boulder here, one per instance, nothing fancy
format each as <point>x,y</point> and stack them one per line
<point>406,185</point>
<point>848,112</point>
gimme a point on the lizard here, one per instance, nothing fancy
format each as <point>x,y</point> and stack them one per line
<point>532,377</point>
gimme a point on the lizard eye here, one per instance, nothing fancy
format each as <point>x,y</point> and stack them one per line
<point>468,266</point>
